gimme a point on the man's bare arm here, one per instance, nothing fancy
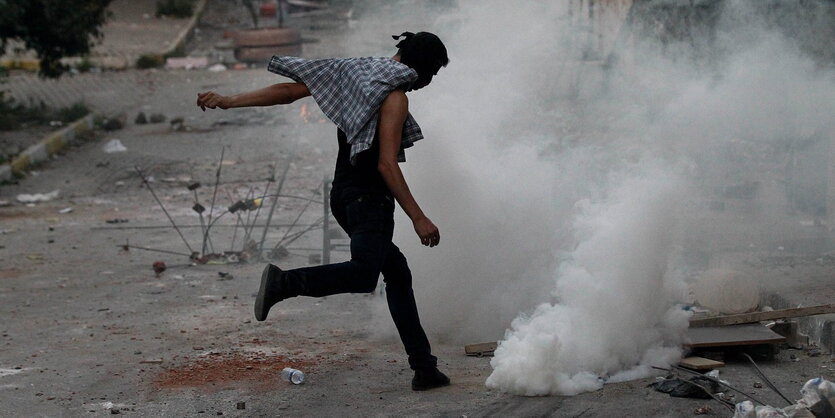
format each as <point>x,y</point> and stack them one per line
<point>282,93</point>
<point>392,115</point>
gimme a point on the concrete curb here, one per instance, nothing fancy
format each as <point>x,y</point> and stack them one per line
<point>185,34</point>
<point>819,328</point>
<point>117,63</point>
<point>46,148</point>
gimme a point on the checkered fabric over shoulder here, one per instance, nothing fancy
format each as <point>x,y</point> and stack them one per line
<point>350,91</point>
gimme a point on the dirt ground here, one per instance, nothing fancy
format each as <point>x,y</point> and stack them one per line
<point>88,328</point>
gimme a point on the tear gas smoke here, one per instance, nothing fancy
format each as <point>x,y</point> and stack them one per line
<point>573,191</point>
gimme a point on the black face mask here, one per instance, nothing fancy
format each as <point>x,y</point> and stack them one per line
<point>424,53</point>
<point>424,77</point>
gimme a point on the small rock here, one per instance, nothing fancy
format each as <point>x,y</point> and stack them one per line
<point>157,118</point>
<point>758,385</point>
<point>115,411</point>
<point>159,267</point>
<point>704,410</point>
<point>217,68</point>
<point>112,124</point>
<point>141,119</point>
<point>114,145</point>
<point>240,405</point>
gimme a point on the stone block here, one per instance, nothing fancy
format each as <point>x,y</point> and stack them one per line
<point>267,37</point>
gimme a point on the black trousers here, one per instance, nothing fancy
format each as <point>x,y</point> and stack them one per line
<point>368,218</point>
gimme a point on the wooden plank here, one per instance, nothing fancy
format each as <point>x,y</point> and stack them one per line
<point>732,335</point>
<point>480,349</point>
<point>700,363</point>
<point>748,318</point>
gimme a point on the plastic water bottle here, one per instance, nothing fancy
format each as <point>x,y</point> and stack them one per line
<point>292,375</point>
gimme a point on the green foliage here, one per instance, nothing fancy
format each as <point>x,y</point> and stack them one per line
<point>84,66</point>
<point>53,28</point>
<point>148,61</point>
<point>175,8</point>
<point>72,113</point>
<point>14,115</point>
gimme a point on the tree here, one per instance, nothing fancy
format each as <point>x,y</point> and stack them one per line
<point>52,28</point>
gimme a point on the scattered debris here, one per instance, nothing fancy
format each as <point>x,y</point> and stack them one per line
<point>733,335</point>
<point>240,405</point>
<point>179,124</point>
<point>480,349</point>
<point>700,363</point>
<point>35,257</point>
<point>186,63</point>
<point>218,369</point>
<point>4,203</point>
<point>37,197</point>
<point>157,118</point>
<point>65,211</point>
<point>10,372</point>
<point>113,123</point>
<point>225,276</point>
<point>753,317</point>
<point>702,410</point>
<point>697,387</point>
<point>117,221</point>
<point>114,145</point>
<point>159,267</point>
<point>151,361</point>
<point>217,68</point>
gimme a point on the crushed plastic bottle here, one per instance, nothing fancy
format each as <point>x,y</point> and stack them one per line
<point>292,375</point>
<point>745,409</point>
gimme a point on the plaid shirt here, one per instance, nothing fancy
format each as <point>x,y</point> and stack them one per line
<point>350,91</point>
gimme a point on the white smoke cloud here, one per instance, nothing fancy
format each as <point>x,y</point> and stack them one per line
<point>568,197</point>
<point>616,314</point>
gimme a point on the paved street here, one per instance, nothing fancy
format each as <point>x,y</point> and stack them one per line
<point>89,330</point>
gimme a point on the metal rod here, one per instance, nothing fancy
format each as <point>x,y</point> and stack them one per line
<point>174,224</point>
<point>117,228</point>
<point>299,234</point>
<point>214,195</point>
<point>272,208</point>
<point>153,249</point>
<point>249,195</point>
<point>202,221</point>
<point>294,197</point>
<point>258,211</point>
<point>295,221</point>
<point>717,381</point>
<point>767,381</point>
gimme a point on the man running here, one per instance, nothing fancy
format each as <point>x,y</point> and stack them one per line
<point>366,99</point>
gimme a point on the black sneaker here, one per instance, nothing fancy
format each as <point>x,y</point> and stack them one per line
<point>429,379</point>
<point>269,293</point>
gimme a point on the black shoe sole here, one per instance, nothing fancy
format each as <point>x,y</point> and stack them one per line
<point>260,311</point>
<point>428,387</point>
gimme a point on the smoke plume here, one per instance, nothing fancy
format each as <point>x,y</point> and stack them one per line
<point>576,176</point>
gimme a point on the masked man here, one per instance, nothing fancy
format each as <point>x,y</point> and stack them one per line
<point>366,99</point>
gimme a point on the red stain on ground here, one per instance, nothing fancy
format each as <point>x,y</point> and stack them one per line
<point>10,273</point>
<point>219,371</point>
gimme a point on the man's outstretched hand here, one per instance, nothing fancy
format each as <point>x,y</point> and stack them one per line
<point>427,231</point>
<point>212,100</point>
